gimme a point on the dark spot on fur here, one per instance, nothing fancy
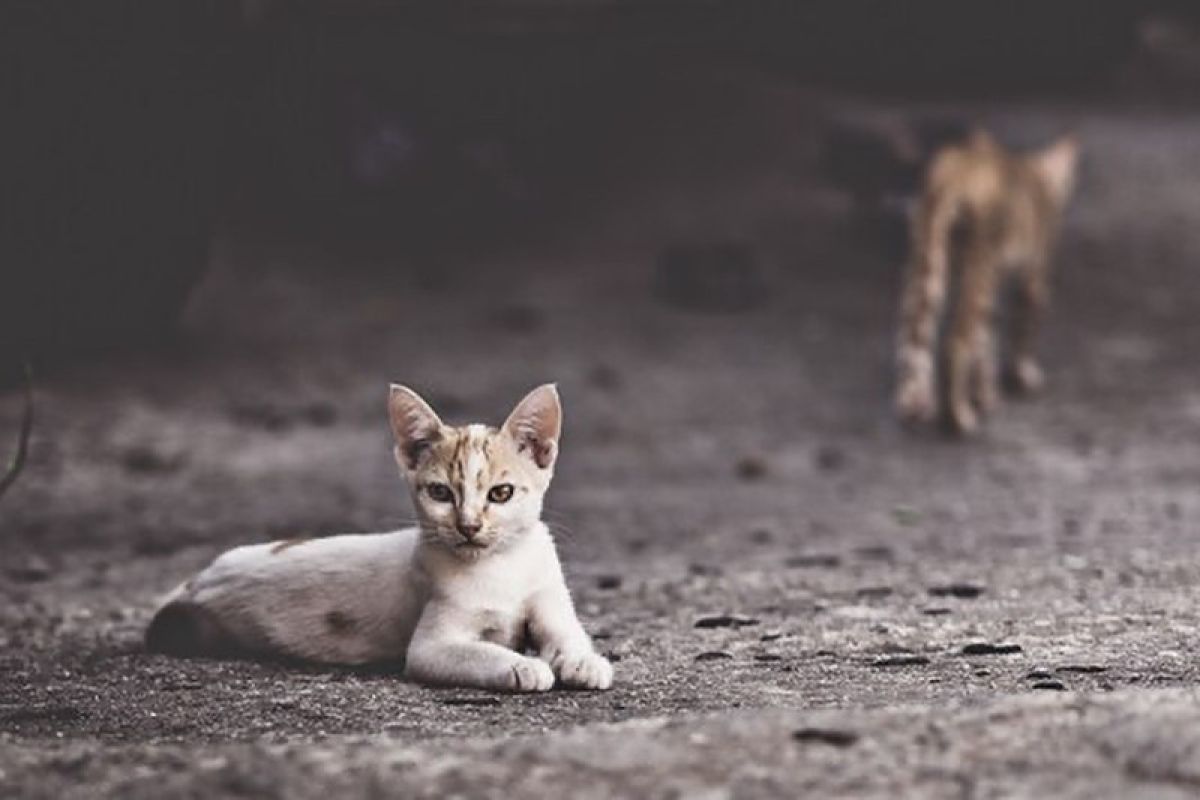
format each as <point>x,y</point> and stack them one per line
<point>339,621</point>
<point>279,547</point>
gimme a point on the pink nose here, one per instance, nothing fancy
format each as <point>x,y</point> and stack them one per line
<point>469,529</point>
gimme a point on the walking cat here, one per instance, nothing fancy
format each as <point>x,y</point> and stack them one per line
<point>997,213</point>
<point>459,599</point>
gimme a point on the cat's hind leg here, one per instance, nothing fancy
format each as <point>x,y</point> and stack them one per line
<point>1022,372</point>
<point>969,349</point>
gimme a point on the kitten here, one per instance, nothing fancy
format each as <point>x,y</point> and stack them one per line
<point>458,599</point>
<point>1002,211</point>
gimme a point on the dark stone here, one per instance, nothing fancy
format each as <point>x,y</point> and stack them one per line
<point>903,660</point>
<point>813,560</point>
<point>829,458</point>
<point>770,636</point>
<point>144,460</point>
<point>1087,669</point>
<point>768,657</point>
<point>1052,686</point>
<point>987,649</point>
<point>831,737</point>
<point>31,570</point>
<point>1039,675</point>
<point>725,621</point>
<point>722,277</point>
<point>963,591</point>
<point>714,655</point>
<point>485,700</point>
<point>935,611</point>
<point>761,536</point>
<point>608,582</point>
<point>751,468</point>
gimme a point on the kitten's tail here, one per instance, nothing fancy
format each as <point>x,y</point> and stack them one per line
<point>182,627</point>
<point>925,287</point>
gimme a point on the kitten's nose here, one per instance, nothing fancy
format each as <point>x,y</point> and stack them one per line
<point>469,530</point>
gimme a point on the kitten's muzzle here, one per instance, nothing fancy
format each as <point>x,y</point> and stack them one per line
<point>468,530</point>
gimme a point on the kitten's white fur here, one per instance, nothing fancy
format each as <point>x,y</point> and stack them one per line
<point>455,610</point>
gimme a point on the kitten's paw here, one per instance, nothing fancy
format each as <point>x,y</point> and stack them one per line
<point>963,419</point>
<point>530,675</point>
<point>584,670</point>
<point>1026,377</point>
<point>916,402</point>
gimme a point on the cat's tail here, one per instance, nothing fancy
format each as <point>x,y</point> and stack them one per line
<point>182,627</point>
<point>925,287</point>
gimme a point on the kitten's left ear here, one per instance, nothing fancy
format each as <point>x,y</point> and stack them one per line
<point>536,424</point>
<point>1056,164</point>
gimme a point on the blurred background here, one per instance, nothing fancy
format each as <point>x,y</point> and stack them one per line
<point>226,226</point>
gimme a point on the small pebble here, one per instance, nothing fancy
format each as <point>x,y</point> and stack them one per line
<point>751,468</point>
<point>725,621</point>
<point>988,649</point>
<point>1052,686</point>
<point>813,560</point>
<point>900,661</point>
<point>608,582</point>
<point>935,611</point>
<point>1087,669</point>
<point>471,701</point>
<point>829,736</point>
<point>714,655</point>
<point>964,591</point>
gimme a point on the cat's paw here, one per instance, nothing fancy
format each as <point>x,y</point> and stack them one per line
<point>963,419</point>
<point>585,670</point>
<point>916,402</point>
<point>1026,377</point>
<point>529,675</point>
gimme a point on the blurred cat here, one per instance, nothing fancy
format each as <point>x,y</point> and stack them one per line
<point>458,599</point>
<point>996,214</point>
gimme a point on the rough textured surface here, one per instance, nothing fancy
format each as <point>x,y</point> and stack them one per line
<point>913,607</point>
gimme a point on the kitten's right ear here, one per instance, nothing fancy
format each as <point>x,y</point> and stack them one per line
<point>1056,164</point>
<point>414,425</point>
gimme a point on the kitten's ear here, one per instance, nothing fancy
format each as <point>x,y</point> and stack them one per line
<point>536,424</point>
<point>414,424</point>
<point>1056,164</point>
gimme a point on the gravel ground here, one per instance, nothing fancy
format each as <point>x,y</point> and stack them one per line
<point>798,595</point>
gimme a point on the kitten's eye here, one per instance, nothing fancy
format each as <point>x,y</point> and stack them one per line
<point>440,493</point>
<point>500,493</point>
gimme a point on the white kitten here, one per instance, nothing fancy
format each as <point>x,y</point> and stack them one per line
<point>458,599</point>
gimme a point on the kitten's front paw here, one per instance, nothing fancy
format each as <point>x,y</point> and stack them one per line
<point>916,402</point>
<point>1026,377</point>
<point>583,670</point>
<point>530,675</point>
<point>963,419</point>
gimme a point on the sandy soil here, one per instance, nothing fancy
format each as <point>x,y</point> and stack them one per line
<point>1014,615</point>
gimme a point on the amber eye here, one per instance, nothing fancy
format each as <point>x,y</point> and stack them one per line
<point>440,493</point>
<point>500,493</point>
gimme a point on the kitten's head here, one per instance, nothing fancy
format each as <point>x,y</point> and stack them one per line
<point>1056,165</point>
<point>476,488</point>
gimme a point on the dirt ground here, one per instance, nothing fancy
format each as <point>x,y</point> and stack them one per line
<point>1014,616</point>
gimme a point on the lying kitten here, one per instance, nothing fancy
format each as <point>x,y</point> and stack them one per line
<point>458,599</point>
<point>1001,213</point>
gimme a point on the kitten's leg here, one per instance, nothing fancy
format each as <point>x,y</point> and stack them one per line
<point>445,652</point>
<point>924,296</point>
<point>563,643</point>
<point>985,381</point>
<point>1029,306</point>
<point>969,337</point>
